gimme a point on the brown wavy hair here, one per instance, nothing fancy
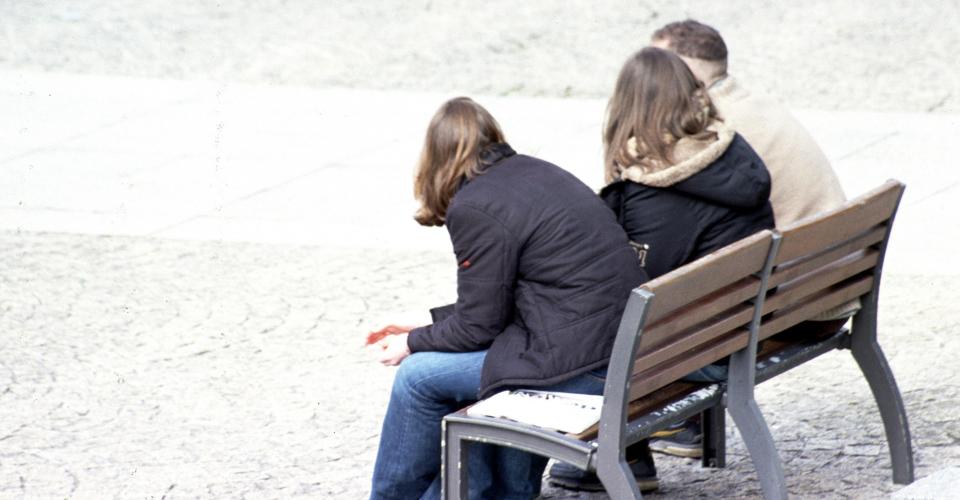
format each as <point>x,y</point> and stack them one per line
<point>458,133</point>
<point>656,102</point>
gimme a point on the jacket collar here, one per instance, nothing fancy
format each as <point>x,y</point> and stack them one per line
<point>494,153</point>
<point>691,156</point>
<point>489,156</point>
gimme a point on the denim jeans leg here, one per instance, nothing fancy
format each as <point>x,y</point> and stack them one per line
<point>708,374</point>
<point>518,474</point>
<point>427,386</point>
<point>588,383</point>
<point>514,474</point>
<point>498,473</point>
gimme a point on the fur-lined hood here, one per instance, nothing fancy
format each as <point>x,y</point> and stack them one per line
<point>725,171</point>
<point>690,156</point>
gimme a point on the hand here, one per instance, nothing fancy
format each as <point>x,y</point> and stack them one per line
<point>377,336</point>
<point>393,349</point>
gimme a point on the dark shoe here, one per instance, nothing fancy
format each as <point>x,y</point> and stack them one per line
<point>680,440</point>
<point>567,476</point>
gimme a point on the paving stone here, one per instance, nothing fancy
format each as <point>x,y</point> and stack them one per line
<point>135,367</point>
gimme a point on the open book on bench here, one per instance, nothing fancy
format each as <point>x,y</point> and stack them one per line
<point>562,411</point>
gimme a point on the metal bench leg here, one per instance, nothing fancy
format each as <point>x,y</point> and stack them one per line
<point>875,369</point>
<point>713,429</point>
<point>618,479</point>
<point>453,469</point>
<point>759,443</point>
<point>753,428</point>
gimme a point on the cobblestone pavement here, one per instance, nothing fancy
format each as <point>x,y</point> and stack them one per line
<point>885,55</point>
<point>135,367</point>
<point>141,368</point>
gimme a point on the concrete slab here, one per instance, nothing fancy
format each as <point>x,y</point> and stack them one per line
<point>919,150</point>
<point>203,160</point>
<point>941,485</point>
<point>46,110</point>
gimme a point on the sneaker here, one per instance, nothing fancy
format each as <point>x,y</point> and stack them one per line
<point>671,431</point>
<point>680,440</point>
<point>567,476</point>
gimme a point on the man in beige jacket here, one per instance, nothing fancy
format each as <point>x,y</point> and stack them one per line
<point>804,184</point>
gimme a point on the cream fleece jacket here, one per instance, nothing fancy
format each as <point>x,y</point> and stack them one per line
<point>803,182</point>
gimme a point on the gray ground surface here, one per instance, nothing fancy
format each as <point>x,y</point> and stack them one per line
<point>192,369</point>
<point>862,54</point>
<point>141,368</point>
<point>136,367</point>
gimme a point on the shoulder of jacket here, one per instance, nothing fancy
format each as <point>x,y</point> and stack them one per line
<point>475,207</point>
<point>635,191</point>
<point>613,187</point>
<point>737,150</point>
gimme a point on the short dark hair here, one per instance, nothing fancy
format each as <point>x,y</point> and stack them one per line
<point>693,39</point>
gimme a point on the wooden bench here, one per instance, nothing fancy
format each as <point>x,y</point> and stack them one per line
<point>721,305</point>
<point>824,262</point>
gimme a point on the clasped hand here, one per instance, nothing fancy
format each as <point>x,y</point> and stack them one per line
<point>390,343</point>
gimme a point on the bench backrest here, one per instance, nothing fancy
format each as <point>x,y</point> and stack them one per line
<point>828,260</point>
<point>728,300</point>
<point>684,320</point>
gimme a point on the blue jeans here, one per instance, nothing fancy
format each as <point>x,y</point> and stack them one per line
<point>708,374</point>
<point>428,386</point>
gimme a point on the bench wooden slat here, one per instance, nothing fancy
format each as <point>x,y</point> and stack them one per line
<point>772,346</point>
<point>697,313</point>
<point>840,224</point>
<point>794,269</point>
<point>821,279</point>
<point>648,403</point>
<point>675,289</point>
<point>649,380</point>
<point>692,338</point>
<point>783,319</point>
<point>719,302</point>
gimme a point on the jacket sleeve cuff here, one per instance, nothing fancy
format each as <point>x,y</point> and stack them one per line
<point>438,314</point>
<point>415,339</point>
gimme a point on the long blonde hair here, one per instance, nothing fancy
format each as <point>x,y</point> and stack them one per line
<point>457,134</point>
<point>656,102</point>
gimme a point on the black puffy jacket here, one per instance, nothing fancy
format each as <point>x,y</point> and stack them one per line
<point>544,272</point>
<point>722,203</point>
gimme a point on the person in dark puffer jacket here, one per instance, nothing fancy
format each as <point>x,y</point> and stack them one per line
<point>544,273</point>
<point>682,185</point>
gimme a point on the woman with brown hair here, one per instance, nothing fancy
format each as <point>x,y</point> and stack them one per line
<point>682,185</point>
<point>543,275</point>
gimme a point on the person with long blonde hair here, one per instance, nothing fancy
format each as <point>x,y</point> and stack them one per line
<point>543,275</point>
